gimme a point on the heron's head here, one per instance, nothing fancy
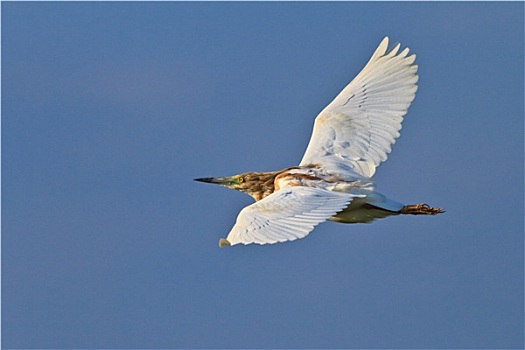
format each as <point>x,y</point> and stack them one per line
<point>257,185</point>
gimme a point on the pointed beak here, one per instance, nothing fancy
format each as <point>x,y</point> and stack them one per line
<point>215,180</point>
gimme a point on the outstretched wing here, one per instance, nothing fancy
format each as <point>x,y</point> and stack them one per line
<point>286,215</point>
<point>354,133</point>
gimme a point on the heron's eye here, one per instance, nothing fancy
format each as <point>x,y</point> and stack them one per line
<point>241,180</point>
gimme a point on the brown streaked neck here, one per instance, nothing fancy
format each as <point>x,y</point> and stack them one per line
<point>263,183</point>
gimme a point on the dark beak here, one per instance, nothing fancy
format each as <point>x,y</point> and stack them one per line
<point>214,180</point>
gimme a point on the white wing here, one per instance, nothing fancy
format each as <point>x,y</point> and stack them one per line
<point>354,133</point>
<point>286,215</point>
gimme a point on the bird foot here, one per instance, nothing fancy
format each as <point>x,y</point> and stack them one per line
<point>421,209</point>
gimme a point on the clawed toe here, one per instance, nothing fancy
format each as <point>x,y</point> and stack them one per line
<point>421,209</point>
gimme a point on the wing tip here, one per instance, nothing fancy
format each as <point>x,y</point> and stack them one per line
<point>382,47</point>
<point>223,242</point>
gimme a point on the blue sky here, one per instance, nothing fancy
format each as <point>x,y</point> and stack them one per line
<point>109,110</point>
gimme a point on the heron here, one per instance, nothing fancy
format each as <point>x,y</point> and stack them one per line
<point>351,137</point>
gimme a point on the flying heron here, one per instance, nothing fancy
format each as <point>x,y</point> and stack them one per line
<point>351,137</point>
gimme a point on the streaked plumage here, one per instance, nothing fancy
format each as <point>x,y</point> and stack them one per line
<point>351,137</point>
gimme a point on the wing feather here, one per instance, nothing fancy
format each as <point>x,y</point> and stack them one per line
<point>355,132</point>
<point>286,215</point>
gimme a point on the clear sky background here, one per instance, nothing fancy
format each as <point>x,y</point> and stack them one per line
<point>109,110</point>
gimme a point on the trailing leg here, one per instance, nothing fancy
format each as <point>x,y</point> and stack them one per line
<point>420,209</point>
